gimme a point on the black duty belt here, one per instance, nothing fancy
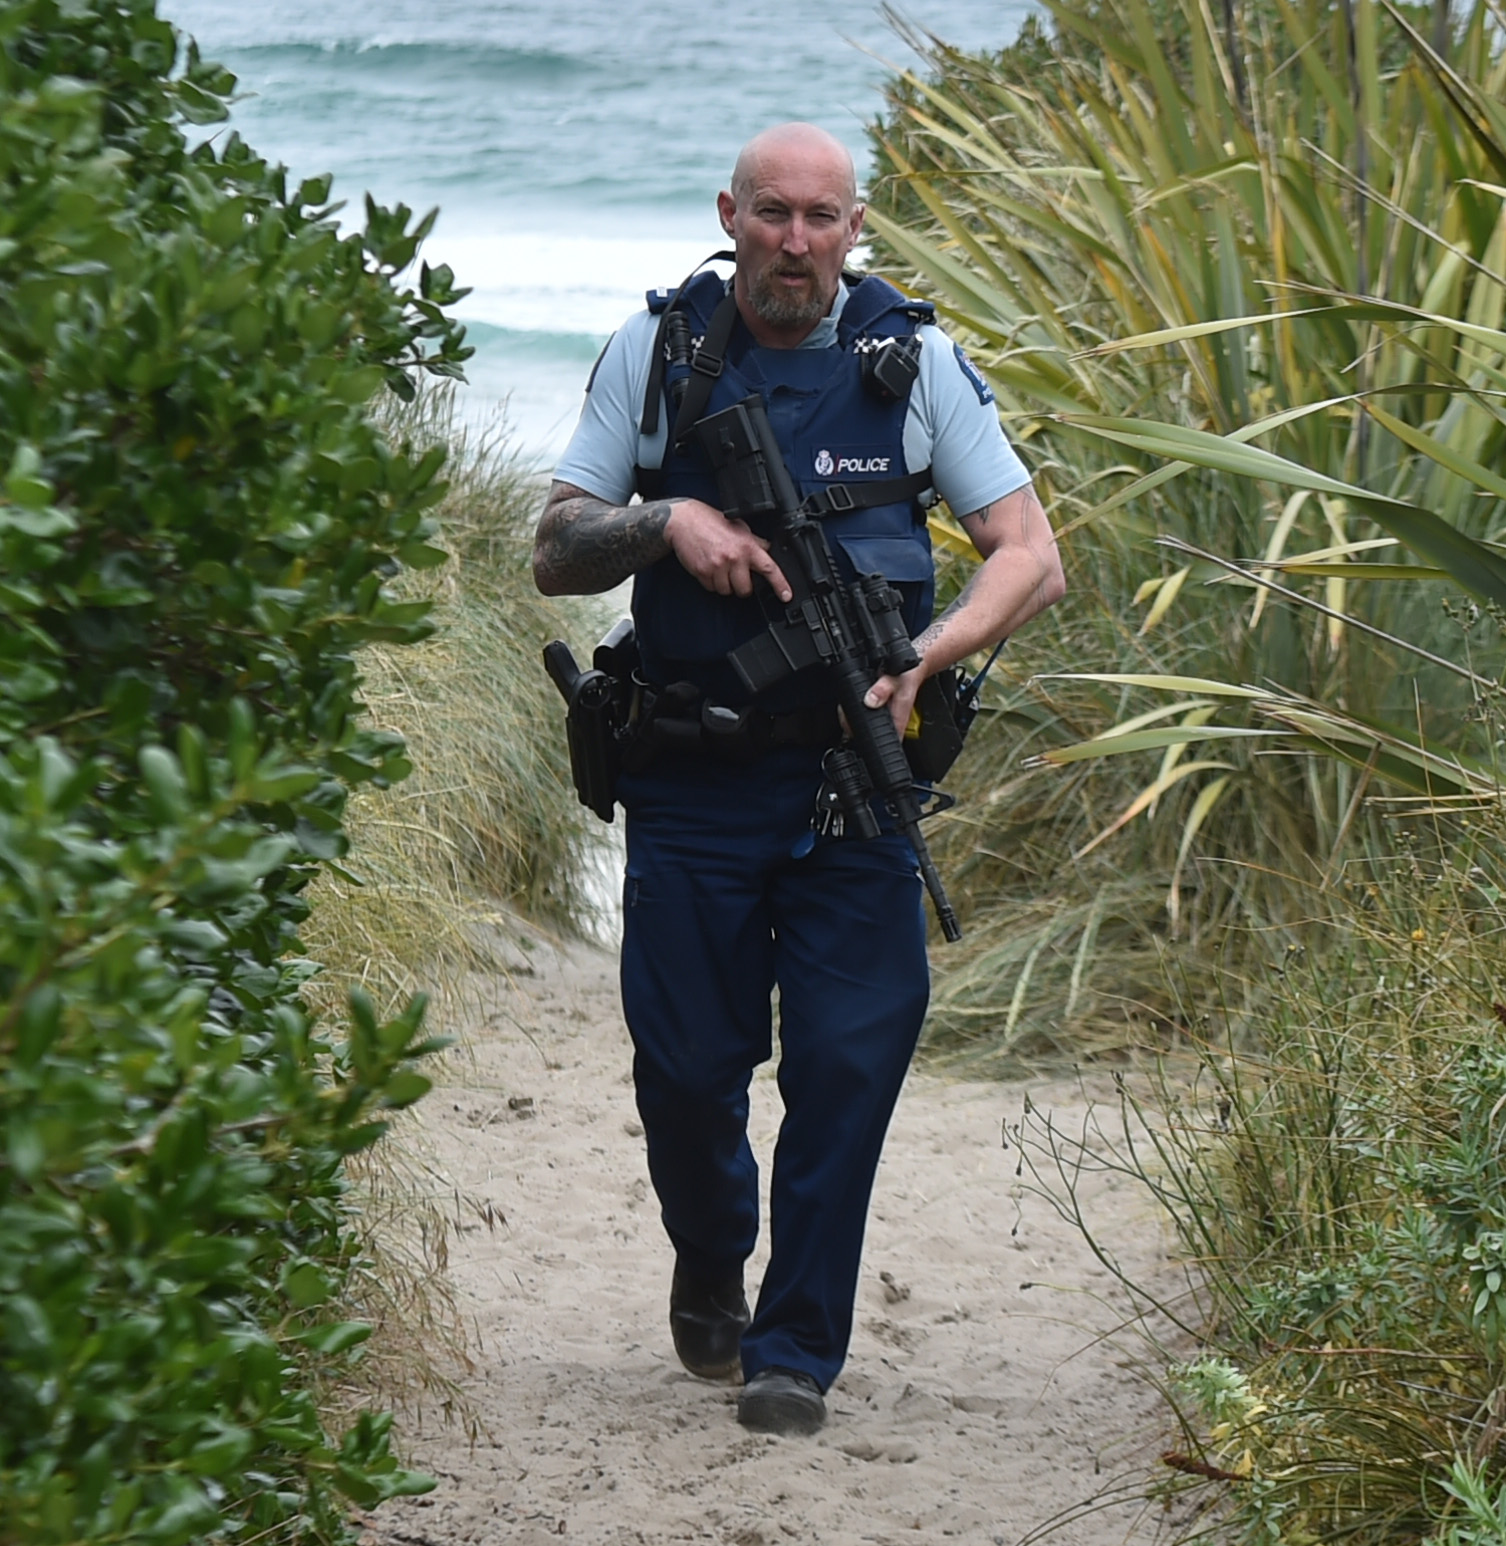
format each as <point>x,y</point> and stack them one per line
<point>677,722</point>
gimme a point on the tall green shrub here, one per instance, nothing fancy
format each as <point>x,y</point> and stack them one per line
<point>197,522</point>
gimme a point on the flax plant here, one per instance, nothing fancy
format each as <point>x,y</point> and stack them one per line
<point>1237,280</point>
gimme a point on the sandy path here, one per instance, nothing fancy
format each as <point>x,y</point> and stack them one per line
<point>978,1401</point>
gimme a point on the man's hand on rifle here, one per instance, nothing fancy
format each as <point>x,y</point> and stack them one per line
<point>1020,575</point>
<point>724,555</point>
<point>899,693</point>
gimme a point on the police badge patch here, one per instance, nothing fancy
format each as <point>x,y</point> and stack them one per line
<point>852,462</point>
<point>979,385</point>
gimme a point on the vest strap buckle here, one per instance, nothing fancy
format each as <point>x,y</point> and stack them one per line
<point>834,499</point>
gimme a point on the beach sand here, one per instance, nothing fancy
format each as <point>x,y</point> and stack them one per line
<point>992,1386</point>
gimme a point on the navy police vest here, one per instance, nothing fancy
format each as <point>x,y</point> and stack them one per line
<point>832,431</point>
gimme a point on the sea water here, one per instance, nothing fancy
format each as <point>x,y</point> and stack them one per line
<point>573,148</point>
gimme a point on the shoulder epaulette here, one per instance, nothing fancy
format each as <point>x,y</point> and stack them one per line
<point>870,298</point>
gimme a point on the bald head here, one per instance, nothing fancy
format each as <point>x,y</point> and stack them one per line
<point>794,215</point>
<point>800,145</point>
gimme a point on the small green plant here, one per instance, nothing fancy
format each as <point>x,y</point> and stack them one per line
<point>1339,1193</point>
<point>1484,1509</point>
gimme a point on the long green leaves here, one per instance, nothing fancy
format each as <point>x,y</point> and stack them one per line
<point>1245,290</point>
<point>1240,286</point>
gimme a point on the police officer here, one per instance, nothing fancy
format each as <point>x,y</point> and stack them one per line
<point>730,896</point>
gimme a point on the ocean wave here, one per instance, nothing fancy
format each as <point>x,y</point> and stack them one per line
<point>581,284</point>
<point>494,60</point>
<point>533,343</point>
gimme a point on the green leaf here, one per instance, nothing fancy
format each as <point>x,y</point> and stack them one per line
<point>1159,337</point>
<point>1456,462</point>
<point>28,682</point>
<point>352,1139</point>
<point>26,1148</point>
<point>196,935</point>
<point>38,519</point>
<point>272,783</point>
<point>356,1485</point>
<point>165,783</point>
<point>337,1338</point>
<point>189,1517</point>
<point>193,758</point>
<point>1189,684</point>
<point>307,1285</point>
<point>357,386</point>
<point>39,1023</point>
<point>24,483</point>
<point>405,1088</point>
<point>419,555</point>
<point>1147,740</point>
<point>244,749</point>
<point>29,1332</point>
<point>223,1449</point>
<point>1474,566</point>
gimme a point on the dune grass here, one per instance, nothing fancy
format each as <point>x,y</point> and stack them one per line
<point>1339,1197</point>
<point>451,872</point>
<point>486,830</point>
<point>1239,278</point>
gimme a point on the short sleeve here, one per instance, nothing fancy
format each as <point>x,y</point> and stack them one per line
<point>604,448</point>
<point>954,423</point>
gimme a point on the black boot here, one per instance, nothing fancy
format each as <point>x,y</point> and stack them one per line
<point>707,1322</point>
<point>783,1401</point>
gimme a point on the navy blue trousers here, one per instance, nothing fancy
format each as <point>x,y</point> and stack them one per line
<point>725,901</point>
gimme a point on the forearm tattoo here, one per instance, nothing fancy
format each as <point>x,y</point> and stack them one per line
<point>1041,594</point>
<point>585,546</point>
<point>938,627</point>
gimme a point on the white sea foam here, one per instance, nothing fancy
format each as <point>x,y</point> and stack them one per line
<point>542,295</point>
<point>553,282</point>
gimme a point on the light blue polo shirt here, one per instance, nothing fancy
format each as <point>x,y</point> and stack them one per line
<point>949,425</point>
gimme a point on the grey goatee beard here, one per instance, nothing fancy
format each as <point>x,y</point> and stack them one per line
<point>778,307</point>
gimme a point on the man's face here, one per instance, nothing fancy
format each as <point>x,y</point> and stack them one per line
<point>793,222</point>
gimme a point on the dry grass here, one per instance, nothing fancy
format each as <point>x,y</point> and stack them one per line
<point>487,828</point>
<point>443,870</point>
<point>1338,1194</point>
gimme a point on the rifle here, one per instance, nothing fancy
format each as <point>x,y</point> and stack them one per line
<point>856,631</point>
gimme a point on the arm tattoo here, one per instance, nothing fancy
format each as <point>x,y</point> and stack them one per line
<point>964,596</point>
<point>932,633</point>
<point>585,546</point>
<point>1023,545</point>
